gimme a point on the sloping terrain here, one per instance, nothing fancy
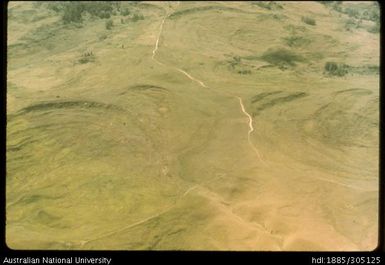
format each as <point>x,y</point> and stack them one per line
<point>192,125</point>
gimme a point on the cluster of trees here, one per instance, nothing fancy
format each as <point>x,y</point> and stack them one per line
<point>357,13</point>
<point>73,11</point>
<point>353,23</point>
<point>341,69</point>
<point>336,69</point>
<point>369,11</point>
<point>372,14</point>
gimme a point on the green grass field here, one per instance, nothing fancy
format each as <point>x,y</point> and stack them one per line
<point>125,128</point>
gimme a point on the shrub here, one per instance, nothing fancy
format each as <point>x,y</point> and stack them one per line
<point>279,16</point>
<point>270,5</point>
<point>102,37</point>
<point>109,24</point>
<point>336,69</point>
<point>244,72</point>
<point>125,12</point>
<point>308,20</point>
<point>104,14</point>
<point>137,17</point>
<point>87,57</point>
<point>281,57</point>
<point>352,24</point>
<point>237,59</point>
<point>365,69</point>
<point>296,41</point>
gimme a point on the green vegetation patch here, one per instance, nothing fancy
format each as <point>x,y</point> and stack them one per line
<point>143,88</point>
<point>74,12</point>
<point>341,69</point>
<point>269,5</point>
<point>67,104</point>
<point>296,41</point>
<point>203,8</point>
<point>236,65</point>
<point>309,21</point>
<point>281,57</point>
<point>263,95</point>
<point>335,69</point>
<point>276,101</point>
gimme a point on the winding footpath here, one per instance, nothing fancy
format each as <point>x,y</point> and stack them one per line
<point>250,130</point>
<point>160,63</point>
<point>192,78</point>
<point>157,42</point>
<point>202,84</point>
<point>238,218</point>
<point>165,210</point>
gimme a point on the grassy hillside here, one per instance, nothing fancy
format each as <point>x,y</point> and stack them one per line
<point>111,146</point>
